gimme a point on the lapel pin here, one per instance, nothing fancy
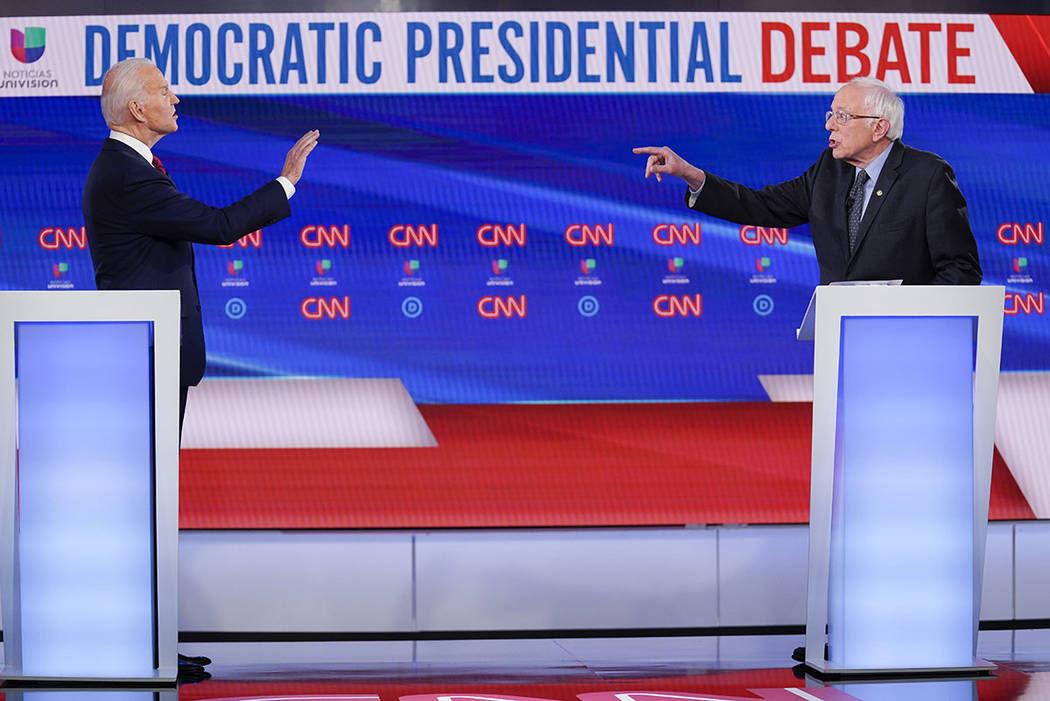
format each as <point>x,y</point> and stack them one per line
<point>878,193</point>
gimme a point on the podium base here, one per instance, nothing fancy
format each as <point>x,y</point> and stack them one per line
<point>12,677</point>
<point>824,672</point>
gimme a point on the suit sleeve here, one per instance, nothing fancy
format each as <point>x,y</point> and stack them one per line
<point>785,204</point>
<point>160,210</point>
<point>953,250</point>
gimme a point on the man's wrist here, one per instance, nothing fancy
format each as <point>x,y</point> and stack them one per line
<point>289,189</point>
<point>695,180</point>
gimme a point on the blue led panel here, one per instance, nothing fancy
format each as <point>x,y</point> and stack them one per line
<point>901,590</point>
<point>84,547</point>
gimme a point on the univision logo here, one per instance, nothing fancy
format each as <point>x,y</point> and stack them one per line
<point>27,47</point>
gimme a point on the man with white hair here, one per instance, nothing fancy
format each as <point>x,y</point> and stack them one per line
<point>140,228</point>
<point>877,209</point>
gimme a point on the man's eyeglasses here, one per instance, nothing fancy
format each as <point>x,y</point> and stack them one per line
<point>843,117</point>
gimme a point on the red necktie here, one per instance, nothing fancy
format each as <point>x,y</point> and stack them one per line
<point>159,166</point>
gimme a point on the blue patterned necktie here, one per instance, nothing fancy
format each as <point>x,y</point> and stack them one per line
<point>856,208</point>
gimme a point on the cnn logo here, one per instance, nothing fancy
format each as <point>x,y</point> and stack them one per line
<point>405,235</point>
<point>1012,233</point>
<point>331,236</point>
<point>668,306</point>
<point>491,307</point>
<point>322,308</point>
<point>587,235</point>
<point>670,234</point>
<point>1027,303</point>
<point>757,235</point>
<point>54,238</point>
<point>491,235</point>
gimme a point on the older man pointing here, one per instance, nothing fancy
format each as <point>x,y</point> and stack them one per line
<point>877,209</point>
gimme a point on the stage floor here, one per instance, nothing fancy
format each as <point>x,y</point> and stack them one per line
<point>560,669</point>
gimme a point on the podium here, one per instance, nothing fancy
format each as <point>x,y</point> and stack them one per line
<point>904,396</point>
<point>89,486</point>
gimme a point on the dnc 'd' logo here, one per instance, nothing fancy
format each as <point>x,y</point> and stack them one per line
<point>27,47</point>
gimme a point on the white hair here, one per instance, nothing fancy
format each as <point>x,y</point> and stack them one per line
<point>880,100</point>
<point>123,82</point>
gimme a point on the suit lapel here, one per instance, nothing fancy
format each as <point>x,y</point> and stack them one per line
<point>887,178</point>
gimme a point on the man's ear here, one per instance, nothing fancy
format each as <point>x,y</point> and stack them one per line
<point>136,111</point>
<point>882,127</point>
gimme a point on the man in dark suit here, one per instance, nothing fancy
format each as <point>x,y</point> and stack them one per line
<point>140,228</point>
<point>877,209</point>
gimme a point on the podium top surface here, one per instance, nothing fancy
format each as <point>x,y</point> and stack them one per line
<point>89,305</point>
<point>884,298</point>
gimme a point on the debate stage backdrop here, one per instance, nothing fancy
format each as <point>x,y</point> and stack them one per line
<point>474,224</point>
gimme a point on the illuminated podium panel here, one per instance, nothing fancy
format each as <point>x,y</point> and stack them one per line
<point>905,385</point>
<point>89,485</point>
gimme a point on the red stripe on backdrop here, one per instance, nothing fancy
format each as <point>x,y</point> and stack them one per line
<point>536,465</point>
<point>1028,38</point>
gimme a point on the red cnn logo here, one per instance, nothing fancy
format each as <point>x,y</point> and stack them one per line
<point>321,308</point>
<point>331,236</point>
<point>490,235</point>
<point>253,239</point>
<point>1010,233</point>
<point>755,235</point>
<point>1028,303</point>
<point>405,235</point>
<point>494,307</point>
<point>678,305</point>
<point>670,234</point>
<point>54,238</point>
<point>584,234</point>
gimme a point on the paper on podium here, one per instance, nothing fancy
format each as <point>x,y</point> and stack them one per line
<point>805,331</point>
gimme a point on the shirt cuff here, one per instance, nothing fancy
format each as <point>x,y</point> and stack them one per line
<point>693,194</point>
<point>289,189</point>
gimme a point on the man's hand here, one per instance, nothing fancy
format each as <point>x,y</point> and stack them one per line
<point>663,160</point>
<point>296,158</point>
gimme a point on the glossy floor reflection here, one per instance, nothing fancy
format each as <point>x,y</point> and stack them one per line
<point>594,669</point>
<point>561,669</point>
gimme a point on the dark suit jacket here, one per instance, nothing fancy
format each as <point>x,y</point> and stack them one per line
<point>140,229</point>
<point>917,230</point>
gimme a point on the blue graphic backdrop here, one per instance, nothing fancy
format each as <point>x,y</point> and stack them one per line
<point>546,161</point>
